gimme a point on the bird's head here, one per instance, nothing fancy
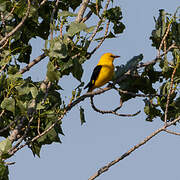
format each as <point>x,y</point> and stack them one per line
<point>109,57</point>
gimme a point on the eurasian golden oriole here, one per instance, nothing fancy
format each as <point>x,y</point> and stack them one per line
<point>103,72</point>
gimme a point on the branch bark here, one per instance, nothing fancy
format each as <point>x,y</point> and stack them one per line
<point>82,10</point>
<point>31,64</point>
<point>18,26</point>
<point>106,167</point>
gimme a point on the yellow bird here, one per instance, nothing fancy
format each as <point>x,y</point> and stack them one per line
<point>103,72</point>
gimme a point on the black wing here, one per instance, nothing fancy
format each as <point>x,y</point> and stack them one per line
<point>94,76</point>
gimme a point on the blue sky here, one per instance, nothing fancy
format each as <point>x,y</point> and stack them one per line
<point>105,137</point>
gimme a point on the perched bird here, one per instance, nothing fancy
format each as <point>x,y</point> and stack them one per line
<point>103,72</point>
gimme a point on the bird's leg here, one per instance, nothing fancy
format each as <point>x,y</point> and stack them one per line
<point>110,85</point>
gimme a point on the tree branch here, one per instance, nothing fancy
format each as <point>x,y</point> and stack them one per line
<point>172,132</point>
<point>169,94</point>
<point>106,168</point>
<point>164,38</point>
<point>112,111</point>
<point>102,40</point>
<point>18,26</point>
<point>31,64</point>
<point>82,10</point>
<point>52,17</point>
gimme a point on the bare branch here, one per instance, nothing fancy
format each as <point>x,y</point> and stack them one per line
<point>31,64</point>
<point>82,10</point>
<point>43,2</point>
<point>22,137</point>
<point>112,111</point>
<point>87,17</point>
<point>164,38</point>
<point>15,132</point>
<point>9,163</point>
<point>99,23</point>
<point>135,94</point>
<point>157,58</point>
<point>106,168</point>
<point>38,136</point>
<point>18,26</point>
<point>9,14</point>
<point>2,69</point>
<point>9,125</point>
<point>169,94</point>
<point>52,17</point>
<point>172,132</point>
<point>102,40</point>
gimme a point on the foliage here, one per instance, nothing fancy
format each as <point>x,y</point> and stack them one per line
<point>28,107</point>
<point>34,110</point>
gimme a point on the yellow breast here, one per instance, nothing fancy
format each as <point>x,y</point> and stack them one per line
<point>105,75</point>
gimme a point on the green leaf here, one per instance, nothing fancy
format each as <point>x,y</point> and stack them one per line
<point>13,69</point>
<point>8,104</point>
<point>34,92</point>
<point>24,56</point>
<point>66,14</point>
<point>50,137</point>
<point>22,106</point>
<point>118,28</point>
<point>40,106</point>
<point>131,64</point>
<point>23,90</point>
<point>58,49</point>
<point>36,148</point>
<point>5,145</point>
<point>82,117</point>
<point>90,29</point>
<point>75,28</point>
<point>52,74</point>
<point>77,70</point>
<point>4,172</point>
<point>3,5</point>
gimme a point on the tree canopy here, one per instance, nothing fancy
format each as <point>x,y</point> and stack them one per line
<point>31,112</point>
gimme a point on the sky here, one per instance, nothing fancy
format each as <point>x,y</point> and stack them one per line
<point>103,138</point>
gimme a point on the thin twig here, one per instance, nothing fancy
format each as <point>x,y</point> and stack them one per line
<point>7,40</point>
<point>22,137</point>
<point>164,38</point>
<point>3,67</point>
<point>9,14</point>
<point>88,15</point>
<point>99,23</point>
<point>18,26</point>
<point>9,163</point>
<point>102,40</point>
<point>106,168</point>
<point>172,132</point>
<point>97,9</point>
<point>38,128</point>
<point>169,94</point>
<point>38,136</point>
<point>157,58</point>
<point>52,17</point>
<point>95,30</point>
<point>60,29</point>
<point>31,64</point>
<point>112,111</point>
<point>1,114</point>
<point>104,112</point>
<point>135,94</point>
<point>43,2</point>
<point>8,126</point>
